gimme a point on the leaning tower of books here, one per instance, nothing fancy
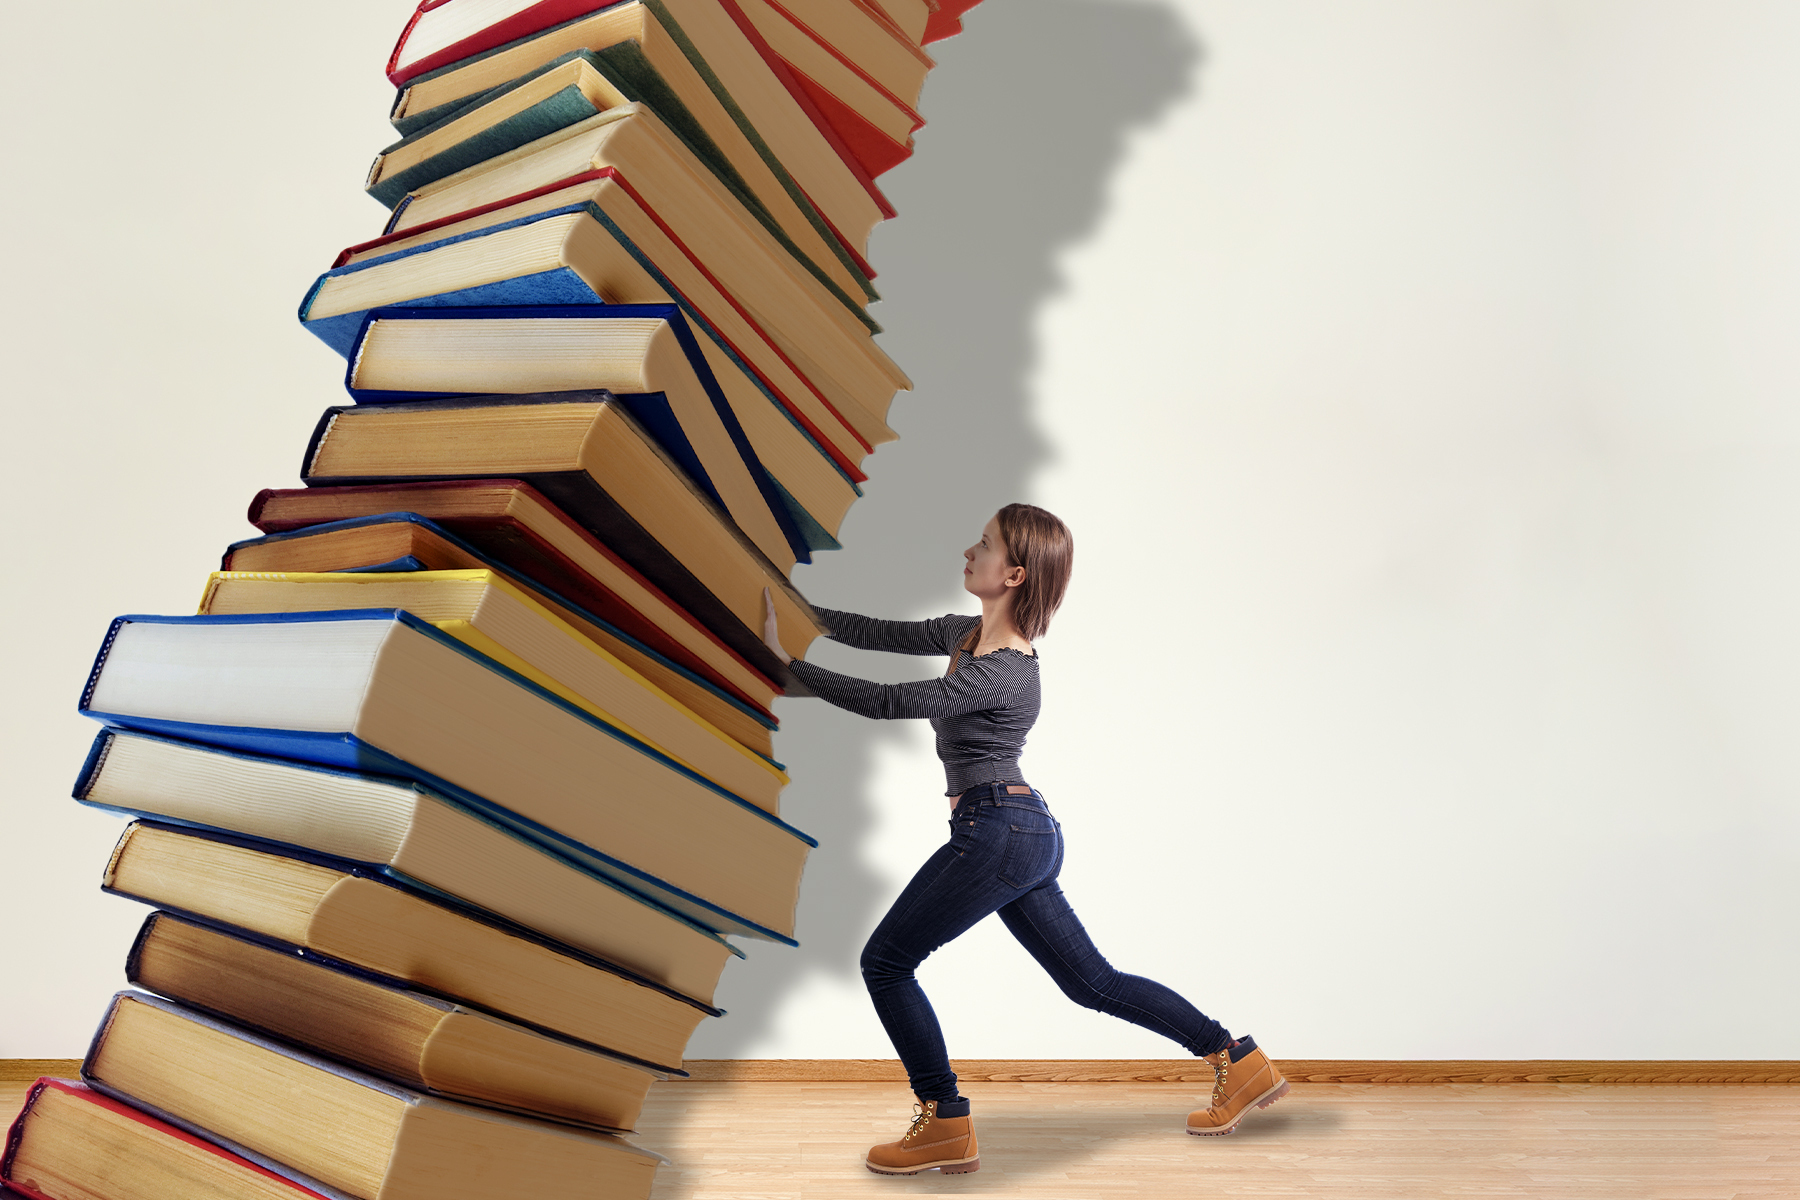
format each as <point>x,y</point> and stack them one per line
<point>449,801</point>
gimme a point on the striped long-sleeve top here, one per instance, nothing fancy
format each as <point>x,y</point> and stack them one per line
<point>981,711</point>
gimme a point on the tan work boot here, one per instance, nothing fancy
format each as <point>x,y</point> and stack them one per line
<point>946,1143</point>
<point>1243,1078</point>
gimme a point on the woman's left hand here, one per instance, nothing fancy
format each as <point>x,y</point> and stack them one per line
<point>771,630</point>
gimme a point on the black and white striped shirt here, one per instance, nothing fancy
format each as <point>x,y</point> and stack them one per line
<point>981,712</point>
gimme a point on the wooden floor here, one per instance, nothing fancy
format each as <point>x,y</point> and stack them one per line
<point>1073,1141</point>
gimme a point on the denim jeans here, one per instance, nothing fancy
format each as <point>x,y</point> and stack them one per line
<point>1003,856</point>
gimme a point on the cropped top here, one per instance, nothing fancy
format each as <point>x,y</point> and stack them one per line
<point>981,712</point>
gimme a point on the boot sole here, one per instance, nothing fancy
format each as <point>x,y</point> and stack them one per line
<point>961,1166</point>
<point>1263,1101</point>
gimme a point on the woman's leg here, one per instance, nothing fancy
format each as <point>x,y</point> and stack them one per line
<point>961,883</point>
<point>1047,927</point>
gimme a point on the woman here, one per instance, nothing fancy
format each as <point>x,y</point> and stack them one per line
<point>1005,849</point>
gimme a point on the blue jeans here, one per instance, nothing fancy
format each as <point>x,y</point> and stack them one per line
<point>1003,856</point>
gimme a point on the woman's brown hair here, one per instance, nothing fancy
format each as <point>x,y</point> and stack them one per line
<point>1043,545</point>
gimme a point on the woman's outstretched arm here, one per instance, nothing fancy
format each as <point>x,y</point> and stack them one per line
<point>936,636</point>
<point>997,680</point>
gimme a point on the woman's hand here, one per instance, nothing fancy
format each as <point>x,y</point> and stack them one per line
<point>772,631</point>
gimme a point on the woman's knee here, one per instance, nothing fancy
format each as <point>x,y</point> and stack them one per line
<point>1095,992</point>
<point>882,963</point>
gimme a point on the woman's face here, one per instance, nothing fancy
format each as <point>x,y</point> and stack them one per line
<point>986,572</point>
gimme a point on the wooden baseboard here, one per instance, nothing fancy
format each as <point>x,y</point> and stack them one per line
<point>1308,1070</point>
<point>24,1070</point>
<point>1174,1070</point>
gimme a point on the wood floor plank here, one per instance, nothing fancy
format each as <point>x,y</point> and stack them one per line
<point>1073,1141</point>
<point>1108,1141</point>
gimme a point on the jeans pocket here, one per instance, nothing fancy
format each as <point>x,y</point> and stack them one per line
<point>1030,855</point>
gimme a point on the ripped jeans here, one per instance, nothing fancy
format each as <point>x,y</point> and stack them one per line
<point>1003,856</point>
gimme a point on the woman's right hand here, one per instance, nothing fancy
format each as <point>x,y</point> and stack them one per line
<point>772,630</point>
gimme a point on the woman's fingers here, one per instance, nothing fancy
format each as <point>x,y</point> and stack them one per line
<point>771,628</point>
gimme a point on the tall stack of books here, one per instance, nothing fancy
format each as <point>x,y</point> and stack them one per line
<point>449,798</point>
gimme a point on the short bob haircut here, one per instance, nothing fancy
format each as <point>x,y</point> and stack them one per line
<point>1043,545</point>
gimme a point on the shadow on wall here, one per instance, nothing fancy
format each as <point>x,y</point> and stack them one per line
<point>1029,112</point>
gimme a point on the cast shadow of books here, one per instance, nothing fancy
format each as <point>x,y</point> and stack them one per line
<point>1029,111</point>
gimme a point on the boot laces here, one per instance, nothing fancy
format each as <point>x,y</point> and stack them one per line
<point>1220,1068</point>
<point>921,1117</point>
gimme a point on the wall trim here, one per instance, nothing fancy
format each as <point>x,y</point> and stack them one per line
<point>1303,1070</point>
<point>24,1070</point>
<point>1177,1070</point>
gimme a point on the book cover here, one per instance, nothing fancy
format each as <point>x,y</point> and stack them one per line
<point>284,1180</point>
<point>499,542</point>
<point>677,433</point>
<point>691,810</point>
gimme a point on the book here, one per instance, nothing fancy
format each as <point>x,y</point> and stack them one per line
<point>643,354</point>
<point>828,336</point>
<point>480,608</point>
<point>649,67</point>
<point>383,692</point>
<point>865,37</point>
<point>721,44</point>
<point>588,455</point>
<point>554,97</point>
<point>349,1129</point>
<point>946,19</point>
<point>706,212</point>
<point>506,526</point>
<point>71,1142</point>
<point>396,831</point>
<point>908,17</point>
<point>591,240</point>
<point>869,119</point>
<point>334,909</point>
<point>385,1026</point>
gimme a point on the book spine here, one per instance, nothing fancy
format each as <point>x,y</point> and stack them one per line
<point>93,680</point>
<point>91,766</point>
<point>16,1134</point>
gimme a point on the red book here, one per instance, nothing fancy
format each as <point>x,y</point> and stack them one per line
<point>73,1143</point>
<point>946,20</point>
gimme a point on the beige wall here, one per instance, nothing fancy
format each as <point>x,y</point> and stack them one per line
<point>1416,379</point>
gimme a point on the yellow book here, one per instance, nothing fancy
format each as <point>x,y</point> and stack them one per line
<point>484,611</point>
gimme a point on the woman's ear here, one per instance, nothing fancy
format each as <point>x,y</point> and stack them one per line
<point>1014,577</point>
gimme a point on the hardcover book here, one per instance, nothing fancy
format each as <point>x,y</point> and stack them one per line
<point>385,1026</point>
<point>73,1143</point>
<point>481,609</point>
<point>591,241</point>
<point>338,910</point>
<point>383,692</point>
<point>402,833</point>
<point>869,118</point>
<point>700,210</point>
<point>643,354</point>
<point>554,97</point>
<point>586,453</point>
<point>351,1130</point>
<point>649,67</point>
<point>508,527</point>
<point>720,42</point>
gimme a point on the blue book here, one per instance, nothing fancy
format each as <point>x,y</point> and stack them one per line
<point>564,255</point>
<point>408,835</point>
<point>644,355</point>
<point>327,1126</point>
<point>381,692</point>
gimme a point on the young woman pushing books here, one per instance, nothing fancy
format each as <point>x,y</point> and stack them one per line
<point>1005,848</point>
